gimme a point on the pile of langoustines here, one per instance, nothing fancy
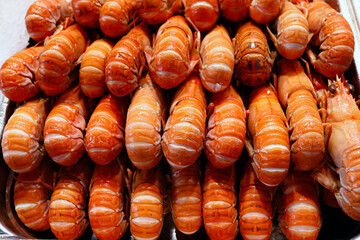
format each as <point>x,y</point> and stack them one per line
<point>122,54</point>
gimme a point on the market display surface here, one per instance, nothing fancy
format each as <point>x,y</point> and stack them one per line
<point>234,118</point>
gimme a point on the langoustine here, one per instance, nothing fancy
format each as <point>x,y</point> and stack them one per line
<point>58,59</point>
<point>68,203</point>
<point>105,137</point>
<point>17,75</point>
<point>65,125</point>
<point>299,208</point>
<point>173,57</point>
<point>43,16</point>
<point>116,17</point>
<point>145,120</point>
<point>342,134</point>
<point>203,14</point>
<point>255,206</point>
<point>267,126</point>
<point>264,11</point>
<point>219,202</point>
<point>226,128</point>
<point>333,35</point>
<point>87,12</point>
<point>22,139</point>
<point>148,196</point>
<point>126,61</point>
<point>157,12</point>
<point>292,31</point>
<point>92,68</point>
<point>186,198</point>
<point>32,192</point>
<point>296,93</point>
<point>253,59</point>
<point>184,133</point>
<point>217,60</point>
<point>109,200</point>
<point>235,10</point>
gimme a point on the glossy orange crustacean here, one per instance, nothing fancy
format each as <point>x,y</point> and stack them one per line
<point>17,75</point>
<point>155,12</point>
<point>217,60</point>
<point>173,57</point>
<point>22,140</point>
<point>32,192</point>
<point>203,14</point>
<point>255,206</point>
<point>145,120</point>
<point>148,197</point>
<point>235,10</point>
<point>253,59</point>
<point>92,68</point>
<point>292,31</point>
<point>297,95</point>
<point>186,198</point>
<point>226,128</point>
<point>87,12</point>
<point>184,133</point>
<point>58,59</point>
<point>116,17</point>
<point>65,125</point>
<point>109,200</point>
<point>267,126</point>
<point>219,202</point>
<point>105,131</point>
<point>43,16</point>
<point>126,61</point>
<point>299,209</point>
<point>68,203</point>
<point>342,134</point>
<point>264,11</point>
<point>333,34</point>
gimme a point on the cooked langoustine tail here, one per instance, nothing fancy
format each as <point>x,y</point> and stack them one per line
<point>292,29</point>
<point>22,140</point>
<point>157,12</point>
<point>264,11</point>
<point>126,61</point>
<point>235,10</point>
<point>43,17</point>
<point>92,69</point>
<point>173,57</point>
<point>105,131</point>
<point>226,128</point>
<point>203,14</point>
<point>145,120</point>
<point>299,209</point>
<point>109,200</point>
<point>297,95</point>
<point>86,12</point>
<point>255,206</point>
<point>148,196</point>
<point>184,133</point>
<point>267,126</point>
<point>65,125</point>
<point>219,202</point>
<point>217,59</point>
<point>253,59</point>
<point>186,198</point>
<point>68,204</point>
<point>17,75</point>
<point>32,192</point>
<point>333,35</point>
<point>116,17</point>
<point>58,59</point>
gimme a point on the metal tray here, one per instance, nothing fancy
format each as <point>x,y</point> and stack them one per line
<point>336,225</point>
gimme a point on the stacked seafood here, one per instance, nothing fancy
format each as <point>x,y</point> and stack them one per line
<point>222,118</point>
